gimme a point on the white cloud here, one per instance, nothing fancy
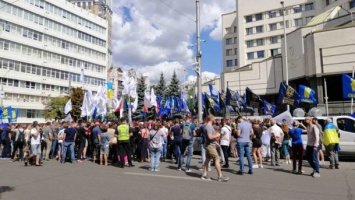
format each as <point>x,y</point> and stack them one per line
<point>153,38</point>
<point>206,76</point>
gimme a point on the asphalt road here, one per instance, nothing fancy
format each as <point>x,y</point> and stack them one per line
<point>90,181</point>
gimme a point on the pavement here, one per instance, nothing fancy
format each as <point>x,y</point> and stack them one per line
<point>90,181</point>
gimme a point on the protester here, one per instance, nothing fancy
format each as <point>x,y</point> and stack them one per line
<point>47,138</point>
<point>95,133</point>
<point>244,132</point>
<point>331,142</point>
<point>188,133</point>
<point>320,151</point>
<point>285,142</point>
<point>144,144</point>
<point>257,133</point>
<point>60,144</point>
<point>68,142</point>
<point>6,142</point>
<point>82,141</point>
<point>165,140</point>
<point>297,146</point>
<point>225,141</point>
<point>104,145</point>
<point>19,143</point>
<point>156,136</point>
<point>35,144</point>
<point>123,143</point>
<point>312,147</point>
<point>275,143</point>
<point>176,136</point>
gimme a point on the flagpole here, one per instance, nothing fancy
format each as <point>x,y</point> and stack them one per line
<point>284,54</point>
<point>326,97</point>
<point>352,99</point>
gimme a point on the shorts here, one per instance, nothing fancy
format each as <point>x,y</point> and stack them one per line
<point>96,149</point>
<point>60,147</point>
<point>211,152</point>
<point>256,143</point>
<point>86,143</point>
<point>104,150</point>
<point>35,149</point>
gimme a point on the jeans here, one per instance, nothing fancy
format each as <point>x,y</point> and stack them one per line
<point>312,158</point>
<point>54,148</point>
<point>69,145</point>
<point>155,154</point>
<point>332,153</point>
<point>285,148</point>
<point>244,148</point>
<point>6,149</point>
<point>165,147</point>
<point>189,145</point>
<point>275,153</point>
<point>178,152</point>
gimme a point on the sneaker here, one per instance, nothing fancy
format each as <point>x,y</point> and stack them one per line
<point>300,172</point>
<point>26,163</point>
<point>205,178</point>
<point>286,162</point>
<point>293,171</point>
<point>225,166</point>
<point>261,166</point>
<point>151,169</point>
<point>336,166</point>
<point>188,170</point>
<point>312,173</point>
<point>240,173</point>
<point>316,175</point>
<point>330,167</point>
<point>179,168</point>
<point>277,165</point>
<point>250,172</point>
<point>157,169</point>
<point>223,179</point>
<point>255,166</point>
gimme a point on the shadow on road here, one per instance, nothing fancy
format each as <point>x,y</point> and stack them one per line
<point>6,189</point>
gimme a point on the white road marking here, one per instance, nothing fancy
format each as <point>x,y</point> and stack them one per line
<point>162,176</point>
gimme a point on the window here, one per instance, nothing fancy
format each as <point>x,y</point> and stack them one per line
<point>345,124</point>
<point>30,85</point>
<point>326,2</point>
<point>297,9</point>
<point>250,43</point>
<point>32,114</point>
<point>250,55</point>
<point>229,52</point>
<point>229,41</point>
<point>352,4</point>
<point>234,29</point>
<point>236,51</point>
<point>249,18</point>
<point>236,62</point>
<point>259,42</point>
<point>309,6</point>
<point>274,52</point>
<point>258,17</point>
<point>274,40</point>
<point>260,54</point>
<point>298,22</point>
<point>272,14</point>
<point>229,63</point>
<point>259,29</point>
<point>273,26</point>
<point>249,31</point>
<point>308,19</point>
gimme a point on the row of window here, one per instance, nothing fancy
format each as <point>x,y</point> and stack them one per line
<point>5,7</point>
<point>231,52</point>
<point>258,29</point>
<point>261,54</point>
<point>49,56</point>
<point>46,72</point>
<point>261,41</point>
<point>31,85</point>
<point>230,41</point>
<point>352,4</point>
<point>276,13</point>
<point>67,15</point>
<point>34,35</point>
<point>26,98</point>
<point>230,63</point>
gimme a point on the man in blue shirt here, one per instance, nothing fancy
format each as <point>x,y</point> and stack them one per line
<point>69,138</point>
<point>244,132</point>
<point>96,131</point>
<point>188,133</point>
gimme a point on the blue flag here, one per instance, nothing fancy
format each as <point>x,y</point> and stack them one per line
<point>307,95</point>
<point>6,112</point>
<point>212,103</point>
<point>252,99</point>
<point>222,100</point>
<point>213,92</point>
<point>287,95</point>
<point>269,109</point>
<point>14,115</point>
<point>348,87</point>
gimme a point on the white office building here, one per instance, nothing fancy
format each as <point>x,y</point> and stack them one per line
<point>255,30</point>
<point>43,44</point>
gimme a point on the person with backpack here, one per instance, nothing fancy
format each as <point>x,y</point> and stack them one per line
<point>35,144</point>
<point>188,133</point>
<point>19,142</point>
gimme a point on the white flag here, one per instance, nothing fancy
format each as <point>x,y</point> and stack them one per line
<point>82,68</point>
<point>84,108</point>
<point>68,107</point>
<point>147,100</point>
<point>284,117</point>
<point>153,98</point>
<point>68,118</point>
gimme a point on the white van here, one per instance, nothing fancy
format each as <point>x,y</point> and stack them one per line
<point>346,125</point>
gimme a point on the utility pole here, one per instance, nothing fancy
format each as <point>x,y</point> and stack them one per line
<point>198,60</point>
<point>284,53</point>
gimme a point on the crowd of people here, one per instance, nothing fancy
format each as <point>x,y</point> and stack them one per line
<point>121,143</point>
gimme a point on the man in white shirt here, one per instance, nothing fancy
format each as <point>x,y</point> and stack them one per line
<point>225,140</point>
<point>35,144</point>
<point>275,142</point>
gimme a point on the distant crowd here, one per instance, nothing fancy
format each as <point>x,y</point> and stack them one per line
<point>120,143</point>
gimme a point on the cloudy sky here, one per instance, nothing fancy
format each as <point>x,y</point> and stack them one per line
<point>154,36</point>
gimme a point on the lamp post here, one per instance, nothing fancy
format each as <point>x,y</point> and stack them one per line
<point>284,54</point>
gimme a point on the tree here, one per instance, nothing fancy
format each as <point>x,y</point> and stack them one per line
<point>77,97</point>
<point>160,89</point>
<point>141,87</point>
<point>174,88</point>
<point>190,93</point>
<point>54,108</point>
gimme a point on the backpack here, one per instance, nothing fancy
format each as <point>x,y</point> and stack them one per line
<point>3,135</point>
<point>186,131</point>
<point>21,136</point>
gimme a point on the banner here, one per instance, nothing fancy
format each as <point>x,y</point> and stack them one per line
<point>284,117</point>
<point>269,109</point>
<point>6,112</point>
<point>307,95</point>
<point>287,95</point>
<point>14,115</point>
<point>213,92</point>
<point>253,99</point>
<point>348,87</point>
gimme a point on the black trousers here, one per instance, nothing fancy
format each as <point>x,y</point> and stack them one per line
<point>113,153</point>
<point>225,154</point>
<point>81,149</point>
<point>18,146</point>
<point>123,149</point>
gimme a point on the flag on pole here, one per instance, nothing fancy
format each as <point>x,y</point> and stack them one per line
<point>153,98</point>
<point>307,94</point>
<point>348,86</point>
<point>213,92</point>
<point>252,99</point>
<point>109,90</point>
<point>82,68</point>
<point>68,118</point>
<point>284,117</point>
<point>269,109</point>
<point>68,107</point>
<point>287,95</point>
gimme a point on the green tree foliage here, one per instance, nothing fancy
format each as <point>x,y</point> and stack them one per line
<point>54,108</point>
<point>141,87</point>
<point>160,89</point>
<point>77,97</point>
<point>191,101</point>
<point>174,87</point>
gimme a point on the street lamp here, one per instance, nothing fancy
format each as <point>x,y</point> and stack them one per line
<point>284,54</point>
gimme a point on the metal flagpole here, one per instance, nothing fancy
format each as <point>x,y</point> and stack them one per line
<point>198,60</point>
<point>284,53</point>
<point>326,97</point>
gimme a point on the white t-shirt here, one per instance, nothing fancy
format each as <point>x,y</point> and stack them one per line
<point>61,134</point>
<point>165,130</point>
<point>35,140</point>
<point>277,132</point>
<point>226,135</point>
